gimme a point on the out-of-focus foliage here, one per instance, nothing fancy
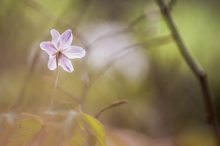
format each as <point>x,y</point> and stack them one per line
<point>57,128</point>
<point>130,55</point>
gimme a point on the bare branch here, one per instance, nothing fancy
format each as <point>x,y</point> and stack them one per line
<point>194,66</point>
<point>112,105</point>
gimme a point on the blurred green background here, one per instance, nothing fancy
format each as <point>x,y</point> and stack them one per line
<point>164,98</point>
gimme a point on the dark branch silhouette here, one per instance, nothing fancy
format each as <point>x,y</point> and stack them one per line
<point>194,66</point>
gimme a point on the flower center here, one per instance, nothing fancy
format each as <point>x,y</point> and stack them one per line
<point>59,53</point>
<point>58,56</point>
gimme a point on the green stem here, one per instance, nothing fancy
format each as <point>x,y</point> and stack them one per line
<point>55,87</point>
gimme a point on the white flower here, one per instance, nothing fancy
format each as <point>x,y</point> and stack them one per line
<point>60,50</point>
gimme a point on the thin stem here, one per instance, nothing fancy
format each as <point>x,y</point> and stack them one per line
<point>57,78</point>
<point>194,66</point>
<point>112,105</point>
<point>55,87</point>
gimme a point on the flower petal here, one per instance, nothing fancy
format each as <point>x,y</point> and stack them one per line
<point>48,47</point>
<point>74,52</point>
<point>66,64</point>
<point>52,64</point>
<point>55,36</point>
<point>65,39</point>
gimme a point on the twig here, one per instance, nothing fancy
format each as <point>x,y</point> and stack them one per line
<point>112,105</point>
<point>194,66</point>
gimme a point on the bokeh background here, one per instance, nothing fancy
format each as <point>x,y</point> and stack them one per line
<point>130,56</point>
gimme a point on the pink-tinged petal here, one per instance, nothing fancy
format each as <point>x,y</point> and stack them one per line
<point>74,52</point>
<point>52,64</point>
<point>65,63</point>
<point>65,39</point>
<point>55,36</point>
<point>48,47</point>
